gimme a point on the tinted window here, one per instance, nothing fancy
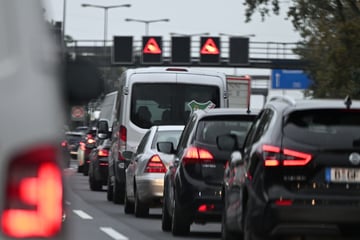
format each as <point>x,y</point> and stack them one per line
<point>209,129</point>
<point>324,127</point>
<point>107,107</point>
<point>142,143</point>
<point>164,104</point>
<point>166,136</point>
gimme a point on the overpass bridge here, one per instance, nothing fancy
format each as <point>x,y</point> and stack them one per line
<point>266,55</point>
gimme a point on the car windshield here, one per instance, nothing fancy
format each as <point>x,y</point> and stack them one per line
<point>167,136</point>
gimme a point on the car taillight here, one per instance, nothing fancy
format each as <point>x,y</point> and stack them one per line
<point>155,165</point>
<point>197,155</point>
<point>103,153</point>
<point>275,156</point>
<point>122,142</point>
<point>64,143</point>
<point>91,141</point>
<point>82,146</point>
<point>34,195</point>
<point>206,207</point>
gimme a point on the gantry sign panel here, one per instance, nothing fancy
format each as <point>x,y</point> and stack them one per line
<point>122,50</point>
<point>181,50</point>
<point>239,50</point>
<point>210,50</point>
<point>152,52</point>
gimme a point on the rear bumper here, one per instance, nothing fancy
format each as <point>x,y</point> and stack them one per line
<point>304,218</point>
<point>150,188</point>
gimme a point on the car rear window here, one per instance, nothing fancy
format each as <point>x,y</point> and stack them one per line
<point>209,129</point>
<point>324,127</point>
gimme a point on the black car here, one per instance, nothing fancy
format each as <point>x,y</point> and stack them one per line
<point>193,186</point>
<point>72,142</point>
<point>298,173</point>
<point>98,165</point>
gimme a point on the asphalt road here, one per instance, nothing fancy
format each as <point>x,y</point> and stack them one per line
<point>91,217</point>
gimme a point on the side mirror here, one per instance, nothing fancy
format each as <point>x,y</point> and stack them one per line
<point>165,147</point>
<point>236,159</point>
<point>128,155</point>
<point>103,129</point>
<point>227,142</point>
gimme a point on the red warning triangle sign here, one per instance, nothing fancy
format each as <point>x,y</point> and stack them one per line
<point>210,47</point>
<point>152,47</point>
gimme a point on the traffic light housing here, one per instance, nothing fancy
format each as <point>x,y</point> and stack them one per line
<point>152,52</point>
<point>122,51</point>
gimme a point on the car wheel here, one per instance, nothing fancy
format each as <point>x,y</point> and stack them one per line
<point>180,226</point>
<point>141,209</point>
<point>109,191</point>
<point>85,170</point>
<point>165,218</point>
<point>128,206</point>
<point>118,192</point>
<point>94,185</point>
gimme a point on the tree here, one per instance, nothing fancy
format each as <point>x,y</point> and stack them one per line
<point>330,31</point>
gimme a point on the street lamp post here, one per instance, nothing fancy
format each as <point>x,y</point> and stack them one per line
<point>147,22</point>
<point>105,8</point>
<point>190,34</point>
<point>235,35</point>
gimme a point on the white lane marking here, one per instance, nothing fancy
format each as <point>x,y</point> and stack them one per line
<point>82,214</point>
<point>113,234</point>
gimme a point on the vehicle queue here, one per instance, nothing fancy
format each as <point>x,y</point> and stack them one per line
<point>254,172</point>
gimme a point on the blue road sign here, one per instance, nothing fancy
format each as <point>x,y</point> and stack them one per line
<point>289,79</point>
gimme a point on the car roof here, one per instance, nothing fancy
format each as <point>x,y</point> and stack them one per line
<point>227,111</point>
<point>75,133</point>
<point>169,127</point>
<point>303,104</point>
<point>180,70</point>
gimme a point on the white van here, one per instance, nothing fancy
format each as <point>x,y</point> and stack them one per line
<point>162,96</point>
<point>157,96</point>
<point>108,108</point>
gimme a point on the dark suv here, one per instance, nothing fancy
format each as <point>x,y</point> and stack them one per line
<point>192,187</point>
<point>299,173</point>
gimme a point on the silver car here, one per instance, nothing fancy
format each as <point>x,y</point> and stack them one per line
<point>146,170</point>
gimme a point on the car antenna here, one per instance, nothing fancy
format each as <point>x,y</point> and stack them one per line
<point>348,101</point>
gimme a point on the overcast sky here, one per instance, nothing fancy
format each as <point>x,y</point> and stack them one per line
<point>186,16</point>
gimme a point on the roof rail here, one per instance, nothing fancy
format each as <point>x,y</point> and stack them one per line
<point>286,99</point>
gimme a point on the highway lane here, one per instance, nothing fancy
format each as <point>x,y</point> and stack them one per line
<point>91,217</point>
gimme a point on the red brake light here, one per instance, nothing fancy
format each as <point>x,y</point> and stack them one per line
<point>206,208</point>
<point>275,156</point>
<point>284,202</point>
<point>82,146</point>
<point>91,141</point>
<point>197,155</point>
<point>103,153</point>
<point>64,143</point>
<point>122,133</point>
<point>155,165</point>
<point>34,199</point>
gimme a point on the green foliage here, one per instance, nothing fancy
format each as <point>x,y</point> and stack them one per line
<point>330,30</point>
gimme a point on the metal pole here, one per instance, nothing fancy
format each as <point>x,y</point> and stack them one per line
<point>105,25</point>
<point>146,28</point>
<point>63,24</point>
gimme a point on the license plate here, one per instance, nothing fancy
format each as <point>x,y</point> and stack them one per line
<point>343,175</point>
